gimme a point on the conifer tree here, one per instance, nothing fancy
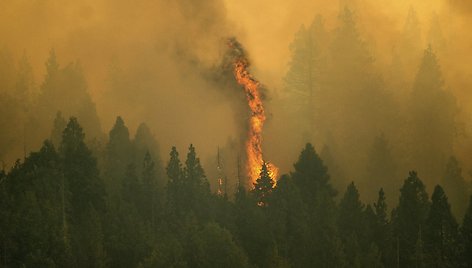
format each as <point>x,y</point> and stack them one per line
<point>441,234</point>
<point>466,236</point>
<point>196,189</point>
<point>288,217</point>
<point>351,226</point>
<point>58,127</point>
<point>455,185</point>
<point>175,182</point>
<point>382,230</point>
<point>409,218</point>
<point>263,186</point>
<point>150,190</point>
<point>312,179</point>
<point>432,118</point>
<point>87,193</point>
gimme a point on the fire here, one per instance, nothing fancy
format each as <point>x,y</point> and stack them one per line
<point>257,119</point>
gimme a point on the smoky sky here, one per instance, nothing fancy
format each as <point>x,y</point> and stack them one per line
<point>161,51</point>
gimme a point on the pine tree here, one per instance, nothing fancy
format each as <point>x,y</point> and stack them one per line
<point>118,155</point>
<point>196,189</point>
<point>312,179</point>
<point>381,167</point>
<point>174,171</point>
<point>350,220</point>
<point>441,232</point>
<point>382,230</point>
<point>409,217</point>
<point>87,193</point>
<point>432,115</point>
<point>144,142</point>
<point>32,232</point>
<point>195,177</point>
<point>306,70</point>
<point>58,127</point>
<point>263,186</point>
<point>466,236</point>
<point>435,34</point>
<point>455,185</point>
<point>150,190</point>
<point>351,225</point>
<point>214,246</point>
<point>288,217</point>
<point>410,43</point>
<point>355,87</point>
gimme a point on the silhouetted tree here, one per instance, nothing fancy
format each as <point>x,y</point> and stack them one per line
<point>288,217</point>
<point>118,155</point>
<point>382,230</point>
<point>87,196</point>
<point>58,127</point>
<point>174,171</point>
<point>409,219</point>
<point>263,186</point>
<point>312,179</point>
<point>466,236</point>
<point>441,232</point>
<point>455,185</point>
<point>351,225</point>
<point>381,167</point>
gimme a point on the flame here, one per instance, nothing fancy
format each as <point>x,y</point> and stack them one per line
<point>257,119</point>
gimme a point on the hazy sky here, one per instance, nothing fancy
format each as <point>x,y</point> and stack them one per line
<point>167,45</point>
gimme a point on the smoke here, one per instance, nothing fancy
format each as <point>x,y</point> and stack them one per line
<point>154,51</point>
<point>159,61</point>
<point>463,6</point>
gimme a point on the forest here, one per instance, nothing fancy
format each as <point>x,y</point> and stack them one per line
<point>204,134</point>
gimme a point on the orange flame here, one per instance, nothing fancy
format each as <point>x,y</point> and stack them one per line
<point>256,121</point>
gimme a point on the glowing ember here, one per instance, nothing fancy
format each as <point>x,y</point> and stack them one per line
<point>256,121</point>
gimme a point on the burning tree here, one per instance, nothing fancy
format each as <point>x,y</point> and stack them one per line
<point>257,117</point>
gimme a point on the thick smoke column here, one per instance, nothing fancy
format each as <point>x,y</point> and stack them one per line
<point>256,121</point>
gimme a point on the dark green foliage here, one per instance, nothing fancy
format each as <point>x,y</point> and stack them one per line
<point>213,246</point>
<point>351,225</point>
<point>381,231</point>
<point>312,179</point>
<point>409,219</point>
<point>175,174</point>
<point>150,205</point>
<point>253,230</point>
<point>54,211</point>
<point>288,218</point>
<point>118,154</point>
<point>263,187</point>
<point>456,187</point>
<point>34,231</point>
<point>466,236</point>
<point>381,168</point>
<point>81,171</point>
<point>58,127</point>
<point>87,201</point>
<point>441,232</point>
<point>351,209</point>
